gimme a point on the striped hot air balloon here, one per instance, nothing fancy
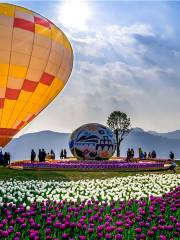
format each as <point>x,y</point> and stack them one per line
<point>36,61</point>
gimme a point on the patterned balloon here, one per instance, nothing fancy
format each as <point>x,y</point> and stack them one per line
<point>35,63</point>
<point>92,141</point>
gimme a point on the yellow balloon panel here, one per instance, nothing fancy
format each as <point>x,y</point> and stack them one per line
<point>36,60</point>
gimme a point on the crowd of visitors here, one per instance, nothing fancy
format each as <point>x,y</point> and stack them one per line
<point>43,155</point>
<point>141,155</point>
<point>5,159</point>
<point>151,155</point>
<point>144,155</point>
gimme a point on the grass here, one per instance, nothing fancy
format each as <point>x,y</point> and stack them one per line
<point>6,174</point>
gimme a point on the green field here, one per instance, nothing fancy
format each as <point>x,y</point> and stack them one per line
<point>6,174</point>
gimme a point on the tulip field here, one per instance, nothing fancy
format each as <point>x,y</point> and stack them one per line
<point>143,206</point>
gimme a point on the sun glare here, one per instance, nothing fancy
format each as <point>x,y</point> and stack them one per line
<point>75,14</point>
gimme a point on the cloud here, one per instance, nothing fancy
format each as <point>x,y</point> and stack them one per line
<point>111,41</point>
<point>94,91</point>
<point>137,44</point>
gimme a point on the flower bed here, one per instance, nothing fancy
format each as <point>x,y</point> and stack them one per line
<point>138,207</point>
<point>88,165</point>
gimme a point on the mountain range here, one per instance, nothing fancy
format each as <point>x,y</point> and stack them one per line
<point>162,143</point>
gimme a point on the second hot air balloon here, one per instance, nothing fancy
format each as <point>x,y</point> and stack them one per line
<point>36,61</point>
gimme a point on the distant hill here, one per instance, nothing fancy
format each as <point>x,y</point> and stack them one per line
<point>149,142</point>
<point>137,129</point>
<point>163,143</point>
<point>20,147</point>
<point>170,135</point>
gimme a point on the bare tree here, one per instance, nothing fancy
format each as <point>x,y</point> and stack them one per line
<point>120,125</point>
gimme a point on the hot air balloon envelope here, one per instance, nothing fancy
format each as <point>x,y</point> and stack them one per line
<point>35,63</point>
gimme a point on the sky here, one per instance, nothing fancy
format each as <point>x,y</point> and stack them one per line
<point>126,58</point>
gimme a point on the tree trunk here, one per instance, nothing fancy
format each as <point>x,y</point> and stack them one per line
<point>118,150</point>
<point>117,144</point>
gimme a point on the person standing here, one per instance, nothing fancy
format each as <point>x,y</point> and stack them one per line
<point>128,155</point>
<point>65,154</point>
<point>141,155</point>
<point>61,154</point>
<point>1,157</point>
<point>43,155</point>
<point>171,155</point>
<point>145,155</point>
<point>40,155</point>
<point>33,155</point>
<point>52,154</point>
<point>153,154</point>
<point>5,158</point>
<point>132,154</point>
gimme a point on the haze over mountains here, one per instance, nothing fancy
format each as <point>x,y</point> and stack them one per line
<point>163,143</point>
<point>170,135</point>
